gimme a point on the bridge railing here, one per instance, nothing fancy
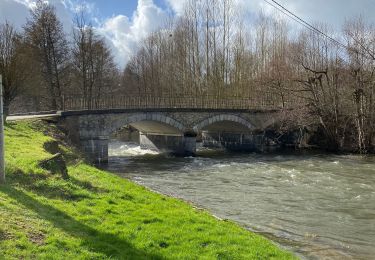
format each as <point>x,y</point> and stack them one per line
<point>264,102</point>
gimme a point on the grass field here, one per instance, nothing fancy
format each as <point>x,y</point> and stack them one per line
<point>97,215</point>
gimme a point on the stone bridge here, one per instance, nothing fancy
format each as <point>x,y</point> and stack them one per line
<point>171,130</point>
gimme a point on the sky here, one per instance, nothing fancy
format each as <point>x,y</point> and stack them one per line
<point>124,23</point>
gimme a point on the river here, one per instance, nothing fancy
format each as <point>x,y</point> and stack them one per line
<point>319,206</point>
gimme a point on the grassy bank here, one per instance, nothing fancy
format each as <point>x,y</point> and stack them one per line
<point>97,215</point>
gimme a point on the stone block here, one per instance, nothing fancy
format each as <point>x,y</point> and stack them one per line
<point>55,165</point>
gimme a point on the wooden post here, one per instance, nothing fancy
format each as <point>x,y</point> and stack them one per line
<point>2,161</point>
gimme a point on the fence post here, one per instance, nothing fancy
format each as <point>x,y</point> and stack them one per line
<point>2,161</point>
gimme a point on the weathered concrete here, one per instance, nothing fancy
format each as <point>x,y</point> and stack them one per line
<point>96,149</point>
<point>234,141</point>
<point>166,130</point>
<point>178,144</point>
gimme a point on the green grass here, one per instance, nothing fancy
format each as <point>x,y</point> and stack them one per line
<point>97,215</point>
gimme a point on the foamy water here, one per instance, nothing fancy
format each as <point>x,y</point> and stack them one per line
<point>117,148</point>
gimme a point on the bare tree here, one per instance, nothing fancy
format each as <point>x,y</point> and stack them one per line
<point>322,79</point>
<point>361,45</point>
<point>93,67</point>
<point>12,64</point>
<point>45,35</point>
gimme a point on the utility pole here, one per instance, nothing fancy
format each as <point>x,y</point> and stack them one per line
<point>2,162</point>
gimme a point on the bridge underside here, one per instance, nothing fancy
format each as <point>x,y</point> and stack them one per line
<point>156,128</point>
<point>227,127</point>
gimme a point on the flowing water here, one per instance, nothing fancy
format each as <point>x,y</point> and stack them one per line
<point>317,205</point>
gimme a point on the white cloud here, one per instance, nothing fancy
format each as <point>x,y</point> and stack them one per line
<point>125,34</point>
<point>177,5</point>
<point>79,6</point>
<point>17,12</point>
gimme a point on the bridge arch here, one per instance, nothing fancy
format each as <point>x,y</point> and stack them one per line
<point>149,122</point>
<point>239,121</point>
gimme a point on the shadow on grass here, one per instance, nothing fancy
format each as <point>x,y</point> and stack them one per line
<point>10,124</point>
<point>92,239</point>
<point>87,185</point>
<point>40,184</point>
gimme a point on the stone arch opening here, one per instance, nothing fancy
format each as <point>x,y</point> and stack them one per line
<point>153,123</point>
<point>230,132</point>
<point>224,123</point>
<point>157,132</point>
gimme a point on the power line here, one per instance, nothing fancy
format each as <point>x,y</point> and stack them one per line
<point>280,10</point>
<point>299,20</point>
<point>309,25</point>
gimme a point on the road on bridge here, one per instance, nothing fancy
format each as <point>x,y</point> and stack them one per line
<point>23,117</point>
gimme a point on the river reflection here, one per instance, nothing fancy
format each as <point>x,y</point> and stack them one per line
<point>319,206</point>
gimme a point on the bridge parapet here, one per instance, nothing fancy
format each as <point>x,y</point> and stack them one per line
<point>259,101</point>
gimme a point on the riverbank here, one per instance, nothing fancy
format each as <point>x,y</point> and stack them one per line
<point>96,215</point>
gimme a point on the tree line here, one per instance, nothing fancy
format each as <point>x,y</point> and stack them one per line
<point>212,50</point>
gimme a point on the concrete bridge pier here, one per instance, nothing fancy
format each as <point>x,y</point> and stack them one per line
<point>182,145</point>
<point>96,150</point>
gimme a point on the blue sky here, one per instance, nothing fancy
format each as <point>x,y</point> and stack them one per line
<point>125,23</point>
<point>109,8</point>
